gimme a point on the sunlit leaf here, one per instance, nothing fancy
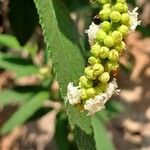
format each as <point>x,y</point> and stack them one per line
<point>22,67</point>
<point>9,41</point>
<point>24,112</point>
<point>102,140</point>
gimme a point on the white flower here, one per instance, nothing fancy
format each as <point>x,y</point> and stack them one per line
<point>134,18</point>
<point>98,103</point>
<point>73,94</point>
<point>92,31</point>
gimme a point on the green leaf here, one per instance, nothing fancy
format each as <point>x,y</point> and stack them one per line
<point>24,112</point>
<point>20,94</point>
<point>113,108</point>
<point>9,41</point>
<point>11,96</point>
<point>22,67</point>
<point>62,40</point>
<point>144,30</point>
<point>76,117</point>
<point>100,134</point>
<point>23,18</point>
<point>39,113</point>
<point>61,133</point>
<point>84,141</point>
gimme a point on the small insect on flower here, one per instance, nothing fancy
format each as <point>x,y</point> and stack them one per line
<point>134,18</point>
<point>92,31</point>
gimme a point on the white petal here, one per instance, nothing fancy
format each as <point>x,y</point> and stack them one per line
<point>73,94</point>
<point>92,31</point>
<point>98,103</point>
<point>134,18</point>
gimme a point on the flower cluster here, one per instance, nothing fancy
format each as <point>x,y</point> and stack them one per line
<point>107,43</point>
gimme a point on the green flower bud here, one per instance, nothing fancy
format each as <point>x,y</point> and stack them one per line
<point>111,65</point>
<point>108,41</point>
<point>98,69</point>
<point>84,82</point>
<point>98,90</point>
<point>120,47</point>
<point>95,49</point>
<point>103,1</point>
<point>90,92</point>
<point>105,13</point>
<point>106,6</point>
<point>125,7</point>
<point>102,86</point>
<point>83,94</point>
<point>104,77</point>
<point>115,16</point>
<point>106,26</point>
<point>125,19</point>
<point>117,36</point>
<point>113,55</point>
<point>104,51</point>
<point>124,30</point>
<point>89,73</point>
<point>92,60</point>
<point>101,35</point>
<point>121,1</point>
<point>119,7</point>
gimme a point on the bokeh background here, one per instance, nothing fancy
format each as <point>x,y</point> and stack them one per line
<point>30,103</point>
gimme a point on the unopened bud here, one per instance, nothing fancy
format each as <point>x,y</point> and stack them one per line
<point>119,7</point>
<point>117,36</point>
<point>108,41</point>
<point>95,49</point>
<point>89,73</point>
<point>104,51</point>
<point>84,82</point>
<point>101,35</point>
<point>104,77</point>
<point>93,60</point>
<point>113,55</point>
<point>125,18</point>
<point>120,47</point>
<point>83,94</point>
<point>124,30</point>
<point>90,92</point>
<point>115,16</point>
<point>98,69</point>
<point>105,13</point>
<point>106,26</point>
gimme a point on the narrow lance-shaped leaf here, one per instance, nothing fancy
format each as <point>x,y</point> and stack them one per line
<point>22,67</point>
<point>9,41</point>
<point>100,134</point>
<point>24,112</point>
<point>12,96</point>
<point>23,18</point>
<point>62,40</point>
<point>61,133</point>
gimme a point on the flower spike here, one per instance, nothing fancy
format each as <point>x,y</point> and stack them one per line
<point>96,86</point>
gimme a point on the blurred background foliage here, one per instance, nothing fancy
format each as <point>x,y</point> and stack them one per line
<point>28,86</point>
